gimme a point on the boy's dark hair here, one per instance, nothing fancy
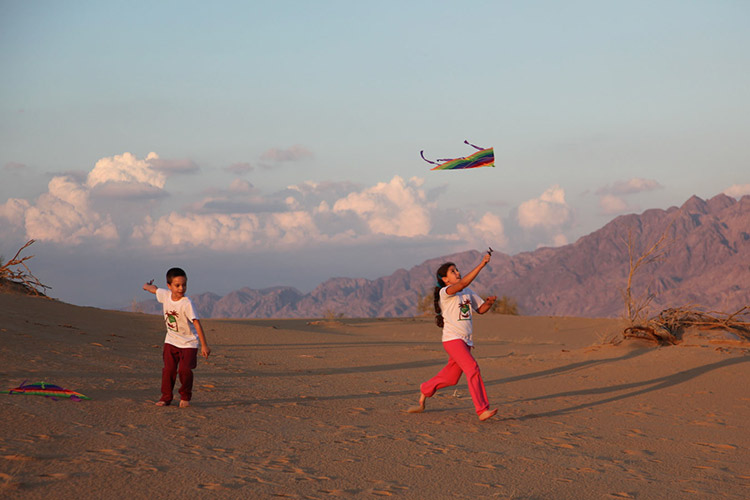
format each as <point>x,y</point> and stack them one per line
<point>442,272</point>
<point>175,272</point>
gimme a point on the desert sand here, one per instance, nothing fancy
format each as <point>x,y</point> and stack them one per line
<point>317,409</point>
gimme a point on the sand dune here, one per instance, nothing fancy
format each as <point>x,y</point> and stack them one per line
<point>301,409</point>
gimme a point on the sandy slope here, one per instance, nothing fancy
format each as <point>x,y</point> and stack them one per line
<point>290,409</point>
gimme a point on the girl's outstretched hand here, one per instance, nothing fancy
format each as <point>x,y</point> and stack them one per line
<point>486,258</point>
<point>487,304</point>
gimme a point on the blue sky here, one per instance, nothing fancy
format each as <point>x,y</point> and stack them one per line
<point>277,143</point>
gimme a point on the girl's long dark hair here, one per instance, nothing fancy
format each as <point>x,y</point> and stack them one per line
<point>442,272</point>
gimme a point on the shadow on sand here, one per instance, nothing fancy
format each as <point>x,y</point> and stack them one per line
<point>634,388</point>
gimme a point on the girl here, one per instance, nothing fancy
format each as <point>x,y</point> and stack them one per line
<point>454,301</point>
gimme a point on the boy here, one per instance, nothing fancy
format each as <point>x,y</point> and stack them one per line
<point>181,344</point>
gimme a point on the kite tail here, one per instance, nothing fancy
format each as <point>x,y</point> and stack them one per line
<point>436,162</point>
<point>20,386</point>
<point>473,146</point>
<point>425,159</point>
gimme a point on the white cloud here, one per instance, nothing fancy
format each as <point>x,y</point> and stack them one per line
<point>222,231</point>
<point>298,216</point>
<point>292,228</point>
<point>738,190</point>
<point>126,168</point>
<point>64,215</point>
<point>127,191</point>
<point>488,231</point>
<point>630,186</point>
<point>611,205</point>
<point>310,194</point>
<point>229,231</point>
<point>559,240</point>
<point>14,210</point>
<point>395,208</point>
<point>549,210</point>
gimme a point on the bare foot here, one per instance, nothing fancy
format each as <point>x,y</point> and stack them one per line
<point>420,408</point>
<point>487,414</point>
<point>185,404</point>
<point>162,403</point>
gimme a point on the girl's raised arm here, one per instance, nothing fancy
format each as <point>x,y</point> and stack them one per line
<point>466,280</point>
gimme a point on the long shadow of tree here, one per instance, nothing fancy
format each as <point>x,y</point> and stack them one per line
<point>634,388</point>
<point>566,368</point>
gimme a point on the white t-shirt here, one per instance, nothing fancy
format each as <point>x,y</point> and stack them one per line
<point>178,316</point>
<point>457,310</point>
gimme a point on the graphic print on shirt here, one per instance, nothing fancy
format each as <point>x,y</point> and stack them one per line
<point>171,318</point>
<point>464,310</point>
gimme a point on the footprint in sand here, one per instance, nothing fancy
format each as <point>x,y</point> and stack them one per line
<point>418,466</point>
<point>387,489</point>
<point>639,453</point>
<point>18,458</point>
<point>717,447</point>
<point>212,486</point>
<point>56,475</point>
<point>556,442</point>
<point>341,493</point>
<point>587,470</point>
<point>489,467</point>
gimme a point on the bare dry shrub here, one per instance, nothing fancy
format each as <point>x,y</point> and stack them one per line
<point>331,315</point>
<point>17,271</point>
<point>426,304</point>
<point>505,305</point>
<point>668,325</point>
<point>636,307</point>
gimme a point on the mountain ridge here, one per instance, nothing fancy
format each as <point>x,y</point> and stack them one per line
<point>706,264</point>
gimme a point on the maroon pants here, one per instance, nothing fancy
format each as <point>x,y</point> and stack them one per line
<point>180,360</point>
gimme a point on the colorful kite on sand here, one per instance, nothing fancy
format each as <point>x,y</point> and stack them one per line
<point>482,158</point>
<point>45,389</point>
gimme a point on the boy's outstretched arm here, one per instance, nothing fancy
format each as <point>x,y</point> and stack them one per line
<point>150,287</point>
<point>487,304</point>
<point>205,350</point>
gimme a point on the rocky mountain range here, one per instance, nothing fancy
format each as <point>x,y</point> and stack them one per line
<point>706,263</point>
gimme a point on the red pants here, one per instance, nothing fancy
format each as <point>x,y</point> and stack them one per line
<point>180,360</point>
<point>461,361</point>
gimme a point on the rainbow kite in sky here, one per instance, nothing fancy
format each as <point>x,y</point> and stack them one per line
<point>482,158</point>
<point>45,389</point>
